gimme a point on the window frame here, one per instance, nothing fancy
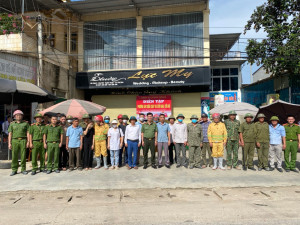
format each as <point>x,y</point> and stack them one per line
<point>220,76</point>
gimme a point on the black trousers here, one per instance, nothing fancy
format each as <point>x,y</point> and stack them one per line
<point>63,157</point>
<point>171,153</point>
<point>87,158</point>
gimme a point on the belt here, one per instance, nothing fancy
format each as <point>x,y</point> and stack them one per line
<point>53,142</point>
<point>137,140</point>
<point>38,140</point>
<point>293,140</point>
<point>149,138</point>
<point>19,138</point>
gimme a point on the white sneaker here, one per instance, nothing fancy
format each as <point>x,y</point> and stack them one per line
<point>215,167</point>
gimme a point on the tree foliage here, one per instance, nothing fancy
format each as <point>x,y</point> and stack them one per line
<point>279,53</point>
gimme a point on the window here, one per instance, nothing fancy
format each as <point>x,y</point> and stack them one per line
<point>225,79</point>
<point>110,44</point>
<point>73,42</point>
<point>173,40</point>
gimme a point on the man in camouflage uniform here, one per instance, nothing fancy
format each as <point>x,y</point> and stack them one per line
<point>247,141</point>
<point>18,141</point>
<point>36,132</point>
<point>292,144</point>
<point>232,146</point>
<point>194,141</point>
<point>262,139</point>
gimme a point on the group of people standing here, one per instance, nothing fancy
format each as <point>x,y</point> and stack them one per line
<point>65,142</point>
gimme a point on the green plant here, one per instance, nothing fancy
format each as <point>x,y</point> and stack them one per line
<point>10,24</point>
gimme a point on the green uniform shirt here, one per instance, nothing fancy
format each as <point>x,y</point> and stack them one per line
<point>232,129</point>
<point>248,130</point>
<point>53,133</point>
<point>18,130</point>
<point>292,132</point>
<point>195,135</point>
<point>262,132</point>
<point>149,130</point>
<point>83,125</point>
<point>37,131</point>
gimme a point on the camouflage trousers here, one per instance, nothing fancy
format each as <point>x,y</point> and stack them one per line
<point>232,148</point>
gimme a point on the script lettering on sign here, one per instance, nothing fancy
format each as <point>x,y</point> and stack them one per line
<point>140,75</point>
<point>177,73</point>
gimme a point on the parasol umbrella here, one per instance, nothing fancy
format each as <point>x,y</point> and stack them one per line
<point>76,108</point>
<point>18,92</point>
<point>241,108</point>
<point>281,109</point>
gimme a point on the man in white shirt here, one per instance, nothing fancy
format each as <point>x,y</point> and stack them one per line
<point>172,146</point>
<point>179,135</point>
<point>132,142</point>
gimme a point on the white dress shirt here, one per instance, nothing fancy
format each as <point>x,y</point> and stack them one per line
<point>179,132</point>
<point>5,126</point>
<point>133,133</point>
<point>171,131</point>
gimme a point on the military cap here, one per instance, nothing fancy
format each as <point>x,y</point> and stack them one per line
<point>69,117</point>
<point>180,115</point>
<point>274,118</point>
<point>125,117</point>
<point>194,117</point>
<point>86,116</point>
<point>248,115</point>
<point>171,117</point>
<point>132,118</point>
<point>232,112</point>
<point>260,115</point>
<point>38,115</point>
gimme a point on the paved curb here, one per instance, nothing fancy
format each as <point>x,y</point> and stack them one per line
<point>5,164</point>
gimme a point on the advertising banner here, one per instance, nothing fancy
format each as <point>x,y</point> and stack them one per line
<point>144,78</point>
<point>154,103</point>
<point>205,105</point>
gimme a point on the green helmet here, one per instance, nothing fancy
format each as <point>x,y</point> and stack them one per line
<point>180,115</point>
<point>38,115</point>
<point>69,117</point>
<point>86,116</point>
<point>125,117</point>
<point>260,115</point>
<point>232,112</point>
<point>171,117</point>
<point>194,117</point>
<point>248,115</point>
<point>274,118</point>
<point>132,118</point>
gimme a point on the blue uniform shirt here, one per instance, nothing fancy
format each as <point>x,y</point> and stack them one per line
<point>276,134</point>
<point>162,132</point>
<point>74,134</point>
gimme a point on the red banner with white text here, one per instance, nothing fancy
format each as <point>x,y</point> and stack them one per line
<point>154,103</point>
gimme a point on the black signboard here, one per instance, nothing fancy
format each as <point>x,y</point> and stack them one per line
<point>144,78</point>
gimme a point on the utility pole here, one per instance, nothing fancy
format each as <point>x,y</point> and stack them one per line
<point>40,49</point>
<point>22,14</point>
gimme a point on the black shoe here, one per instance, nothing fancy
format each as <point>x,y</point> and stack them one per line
<point>191,167</point>
<point>24,172</point>
<point>57,171</point>
<point>49,171</point>
<point>186,166</point>
<point>178,166</point>
<point>270,169</point>
<point>80,168</point>
<point>160,166</point>
<point>287,170</point>
<point>198,167</point>
<point>33,173</point>
<point>294,170</point>
<point>259,169</point>
<point>252,168</point>
<point>244,168</point>
<point>44,171</point>
<point>168,166</point>
<point>280,170</point>
<point>13,173</point>
<point>154,166</point>
<point>145,167</point>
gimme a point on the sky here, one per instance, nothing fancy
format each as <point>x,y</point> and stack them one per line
<point>230,16</point>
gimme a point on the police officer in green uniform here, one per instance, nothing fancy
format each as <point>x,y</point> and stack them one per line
<point>247,141</point>
<point>232,146</point>
<point>18,141</point>
<point>262,138</point>
<point>53,137</point>
<point>36,132</point>
<point>194,140</point>
<point>292,131</point>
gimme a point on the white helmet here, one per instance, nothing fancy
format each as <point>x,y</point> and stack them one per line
<point>114,121</point>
